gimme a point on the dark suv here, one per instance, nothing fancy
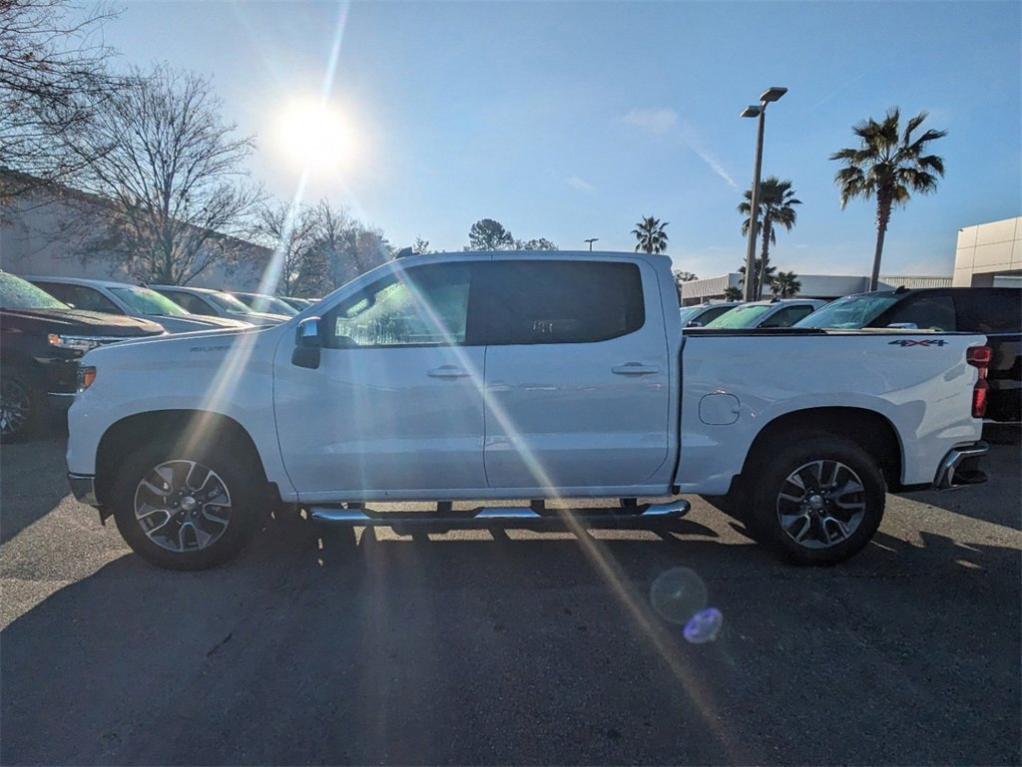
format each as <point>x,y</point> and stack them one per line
<point>41,340</point>
<point>994,312</point>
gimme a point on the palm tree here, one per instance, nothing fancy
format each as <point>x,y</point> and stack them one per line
<point>732,294</point>
<point>785,284</point>
<point>759,276</point>
<point>650,235</point>
<point>775,202</point>
<point>890,165</point>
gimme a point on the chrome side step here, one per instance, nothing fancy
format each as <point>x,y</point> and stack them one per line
<point>355,515</point>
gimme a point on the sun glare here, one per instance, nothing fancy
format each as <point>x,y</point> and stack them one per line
<point>315,135</point>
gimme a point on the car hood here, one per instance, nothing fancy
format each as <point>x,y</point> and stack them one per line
<point>79,322</point>
<point>195,348</point>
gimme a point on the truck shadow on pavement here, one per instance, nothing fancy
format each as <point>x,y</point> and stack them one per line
<point>319,647</point>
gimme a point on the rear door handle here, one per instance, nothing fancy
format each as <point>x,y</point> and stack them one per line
<point>634,369</point>
<point>447,371</point>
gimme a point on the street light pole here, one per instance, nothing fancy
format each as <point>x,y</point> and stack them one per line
<point>591,240</point>
<point>770,95</point>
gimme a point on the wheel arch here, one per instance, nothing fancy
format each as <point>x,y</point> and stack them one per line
<point>186,427</point>
<point>872,431</point>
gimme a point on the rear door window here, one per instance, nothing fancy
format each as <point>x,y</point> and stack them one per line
<point>558,301</point>
<point>989,311</point>
<point>926,311</point>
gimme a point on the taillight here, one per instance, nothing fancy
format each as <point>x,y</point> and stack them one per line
<point>979,357</point>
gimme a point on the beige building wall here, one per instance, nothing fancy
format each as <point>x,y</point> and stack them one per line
<point>986,251</point>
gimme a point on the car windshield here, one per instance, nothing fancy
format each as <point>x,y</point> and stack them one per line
<point>850,312</point>
<point>688,313</point>
<point>227,302</point>
<point>16,293</point>
<point>263,303</point>
<point>147,301</point>
<point>740,317</point>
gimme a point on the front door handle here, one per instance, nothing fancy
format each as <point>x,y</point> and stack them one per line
<point>634,369</point>
<point>447,371</point>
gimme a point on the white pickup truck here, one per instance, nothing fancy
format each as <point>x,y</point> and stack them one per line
<point>482,376</point>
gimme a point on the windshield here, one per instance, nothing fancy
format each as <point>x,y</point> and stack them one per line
<point>740,317</point>
<point>688,314</point>
<point>16,293</point>
<point>850,312</point>
<point>263,303</point>
<point>228,303</point>
<point>147,301</point>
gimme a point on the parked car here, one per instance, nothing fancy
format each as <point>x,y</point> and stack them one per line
<point>698,315</point>
<point>262,302</point>
<point>299,303</point>
<point>111,297</point>
<point>995,312</point>
<point>215,303</point>
<point>41,340</point>
<point>587,391</point>
<point>776,313</point>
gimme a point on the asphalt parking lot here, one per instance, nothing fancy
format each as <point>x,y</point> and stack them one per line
<point>317,647</point>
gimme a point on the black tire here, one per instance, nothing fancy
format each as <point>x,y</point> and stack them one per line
<point>833,521</point>
<point>21,402</point>
<point>239,475</point>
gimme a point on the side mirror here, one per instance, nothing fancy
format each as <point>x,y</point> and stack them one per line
<point>694,324</point>
<point>308,344</point>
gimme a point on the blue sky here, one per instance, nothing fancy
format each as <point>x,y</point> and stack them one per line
<point>573,120</point>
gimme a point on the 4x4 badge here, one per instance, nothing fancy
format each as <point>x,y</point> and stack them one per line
<point>918,342</point>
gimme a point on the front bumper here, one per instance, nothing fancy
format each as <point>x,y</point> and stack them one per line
<point>83,487</point>
<point>961,466</point>
<point>59,401</point>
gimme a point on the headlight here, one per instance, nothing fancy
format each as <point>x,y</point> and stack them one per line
<point>86,375</point>
<point>80,344</point>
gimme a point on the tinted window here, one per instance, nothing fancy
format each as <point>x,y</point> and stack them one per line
<point>548,302</point>
<point>711,314</point>
<point>925,311</point>
<point>190,303</point>
<point>91,300</point>
<point>989,311</point>
<point>420,306</point>
<point>58,290</point>
<point>788,316</point>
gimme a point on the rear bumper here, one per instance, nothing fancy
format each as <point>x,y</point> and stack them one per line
<point>83,487</point>
<point>961,466</point>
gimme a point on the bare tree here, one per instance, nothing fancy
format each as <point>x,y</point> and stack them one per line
<point>52,79</point>
<point>292,233</point>
<point>160,153</point>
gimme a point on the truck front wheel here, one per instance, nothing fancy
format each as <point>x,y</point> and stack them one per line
<point>818,499</point>
<point>187,507</point>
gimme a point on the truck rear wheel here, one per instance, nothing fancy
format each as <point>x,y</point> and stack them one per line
<point>818,500</point>
<point>187,508</point>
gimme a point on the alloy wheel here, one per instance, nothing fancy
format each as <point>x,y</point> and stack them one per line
<point>821,504</point>
<point>182,506</point>
<point>15,407</point>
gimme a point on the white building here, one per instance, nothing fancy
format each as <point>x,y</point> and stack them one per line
<point>989,254</point>
<point>38,236</point>
<point>813,285</point>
